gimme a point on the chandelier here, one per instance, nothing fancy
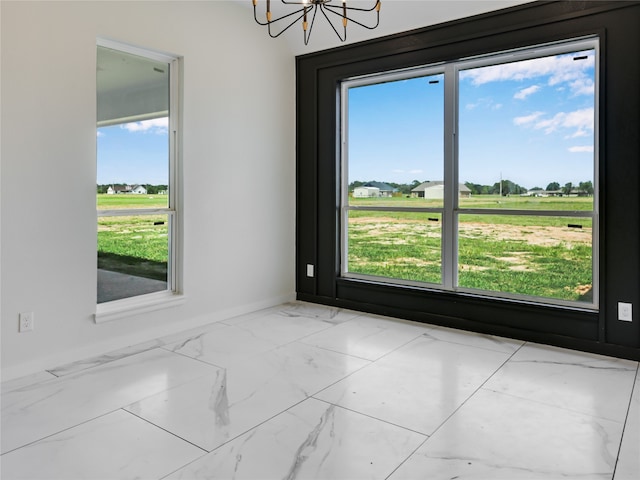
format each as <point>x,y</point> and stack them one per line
<point>310,8</point>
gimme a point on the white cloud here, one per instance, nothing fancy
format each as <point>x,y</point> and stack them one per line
<point>99,134</point>
<point>561,69</point>
<point>485,102</point>
<point>525,92</point>
<point>581,149</point>
<point>155,125</point>
<point>416,171</point>
<point>581,121</point>
<point>527,118</point>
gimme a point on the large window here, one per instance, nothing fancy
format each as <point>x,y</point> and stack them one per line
<point>478,175</point>
<point>136,198</point>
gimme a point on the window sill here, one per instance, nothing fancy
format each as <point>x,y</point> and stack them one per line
<point>106,312</point>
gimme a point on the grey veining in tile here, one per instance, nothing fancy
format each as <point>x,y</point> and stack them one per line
<point>582,382</point>
<point>115,446</point>
<point>212,410</point>
<point>417,386</point>
<point>312,440</point>
<point>282,329</point>
<point>331,315</point>
<point>119,354</point>
<point>489,342</point>
<point>369,337</point>
<point>628,466</point>
<point>500,437</point>
<point>34,412</point>
<point>25,381</point>
<point>224,346</point>
<point>91,362</point>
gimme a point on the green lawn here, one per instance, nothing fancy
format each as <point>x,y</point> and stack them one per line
<point>135,245</point>
<point>531,255</point>
<point>111,202</point>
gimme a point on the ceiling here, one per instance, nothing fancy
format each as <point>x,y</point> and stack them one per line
<point>395,16</point>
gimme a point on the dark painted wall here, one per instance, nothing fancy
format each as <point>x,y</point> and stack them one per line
<point>318,227</point>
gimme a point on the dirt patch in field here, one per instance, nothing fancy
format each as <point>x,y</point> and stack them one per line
<point>533,235</point>
<point>472,268</point>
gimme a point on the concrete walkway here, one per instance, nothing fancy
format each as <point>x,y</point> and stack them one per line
<point>115,286</point>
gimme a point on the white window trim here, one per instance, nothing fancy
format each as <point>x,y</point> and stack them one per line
<point>173,295</point>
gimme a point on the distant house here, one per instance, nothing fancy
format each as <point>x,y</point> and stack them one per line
<point>386,190</point>
<point>366,192</point>
<point>436,190</point>
<point>137,189</point>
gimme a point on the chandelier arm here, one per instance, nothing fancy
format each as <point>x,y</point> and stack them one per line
<point>341,37</point>
<point>306,35</point>
<point>302,13</point>
<point>358,9</point>
<point>339,13</point>
<point>255,17</point>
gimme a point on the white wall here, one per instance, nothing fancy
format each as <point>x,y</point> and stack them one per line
<point>238,137</point>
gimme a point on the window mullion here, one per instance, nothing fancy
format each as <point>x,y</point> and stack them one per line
<point>449,224</point>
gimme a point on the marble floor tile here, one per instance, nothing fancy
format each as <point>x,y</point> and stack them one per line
<point>297,309</point>
<point>499,437</point>
<point>37,411</point>
<point>282,329</point>
<point>214,409</point>
<point>582,382</point>
<point>224,346</point>
<point>329,314</point>
<point>490,342</point>
<point>115,446</point>
<point>25,381</point>
<point>367,336</point>
<point>312,440</point>
<point>91,362</point>
<point>417,386</point>
<point>628,466</point>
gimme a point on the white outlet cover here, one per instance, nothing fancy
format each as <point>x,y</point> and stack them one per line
<point>26,322</point>
<point>625,312</point>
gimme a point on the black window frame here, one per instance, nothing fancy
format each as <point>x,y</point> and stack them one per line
<point>318,173</point>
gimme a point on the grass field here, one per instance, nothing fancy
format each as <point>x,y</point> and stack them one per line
<point>135,245</point>
<point>531,255</point>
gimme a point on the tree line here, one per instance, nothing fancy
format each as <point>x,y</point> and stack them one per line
<point>507,188</point>
<point>151,189</point>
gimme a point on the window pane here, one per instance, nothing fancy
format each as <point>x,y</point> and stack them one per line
<point>395,141</point>
<point>133,165</point>
<point>529,255</point>
<point>526,130</point>
<point>396,245</point>
<point>133,125</point>
<point>133,253</point>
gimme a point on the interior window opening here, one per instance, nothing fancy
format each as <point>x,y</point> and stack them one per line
<point>135,199</point>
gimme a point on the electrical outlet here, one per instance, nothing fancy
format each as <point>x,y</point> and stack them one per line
<point>625,312</point>
<point>310,270</point>
<point>26,322</point>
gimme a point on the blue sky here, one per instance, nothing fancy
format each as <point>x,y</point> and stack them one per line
<point>529,121</point>
<point>134,153</point>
